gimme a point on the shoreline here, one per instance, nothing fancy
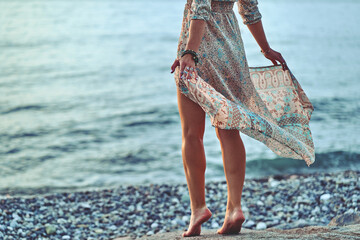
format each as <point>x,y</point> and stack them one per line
<point>47,190</point>
<point>281,202</point>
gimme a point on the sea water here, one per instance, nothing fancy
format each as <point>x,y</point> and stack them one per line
<point>87,98</point>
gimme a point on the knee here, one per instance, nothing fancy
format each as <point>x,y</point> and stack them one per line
<point>226,135</point>
<point>193,136</point>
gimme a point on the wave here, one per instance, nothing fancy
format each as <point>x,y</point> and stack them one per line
<point>148,123</point>
<point>23,108</point>
<point>325,162</point>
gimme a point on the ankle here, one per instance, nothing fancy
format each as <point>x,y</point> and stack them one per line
<point>233,207</point>
<point>198,208</point>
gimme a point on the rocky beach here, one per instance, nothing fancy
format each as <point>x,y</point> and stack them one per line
<point>276,203</point>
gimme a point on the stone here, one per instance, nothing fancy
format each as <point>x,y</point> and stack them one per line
<point>61,221</point>
<point>154,225</point>
<point>139,207</point>
<point>16,217</point>
<point>149,233</point>
<point>273,183</point>
<point>214,225</point>
<point>112,227</point>
<point>325,208</point>
<point>249,224</point>
<point>306,233</point>
<point>175,201</point>
<point>185,198</point>
<point>185,218</point>
<point>21,233</point>
<point>13,223</point>
<point>348,218</point>
<point>315,210</point>
<point>180,222</point>
<point>66,237</point>
<point>325,197</point>
<point>50,229</point>
<point>261,226</point>
<point>131,208</point>
<point>302,223</point>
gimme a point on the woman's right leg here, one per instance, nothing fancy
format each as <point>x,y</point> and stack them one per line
<point>193,126</point>
<point>234,159</point>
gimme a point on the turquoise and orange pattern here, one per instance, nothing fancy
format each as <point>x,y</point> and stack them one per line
<point>286,132</point>
<point>267,104</point>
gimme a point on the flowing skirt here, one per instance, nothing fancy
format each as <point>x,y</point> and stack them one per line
<point>267,104</point>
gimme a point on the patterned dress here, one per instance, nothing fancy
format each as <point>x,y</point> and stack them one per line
<point>226,92</point>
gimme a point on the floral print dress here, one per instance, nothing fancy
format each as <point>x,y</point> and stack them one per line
<point>226,92</point>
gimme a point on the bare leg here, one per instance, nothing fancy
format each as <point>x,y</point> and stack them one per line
<point>193,127</point>
<point>234,160</point>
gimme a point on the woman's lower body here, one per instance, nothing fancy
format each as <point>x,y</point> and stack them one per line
<point>222,64</point>
<point>233,153</point>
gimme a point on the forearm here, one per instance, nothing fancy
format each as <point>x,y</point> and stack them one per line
<point>197,30</point>
<point>257,31</point>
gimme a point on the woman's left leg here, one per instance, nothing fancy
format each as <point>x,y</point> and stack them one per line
<point>234,160</point>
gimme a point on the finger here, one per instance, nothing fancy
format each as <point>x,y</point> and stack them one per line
<point>191,73</point>
<point>282,62</point>
<point>175,65</point>
<point>196,74</point>
<point>285,67</point>
<point>182,66</point>
<point>185,72</point>
<point>188,72</point>
<point>173,68</point>
<point>273,61</point>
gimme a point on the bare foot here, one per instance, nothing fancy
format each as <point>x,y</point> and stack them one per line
<point>233,221</point>
<point>198,217</point>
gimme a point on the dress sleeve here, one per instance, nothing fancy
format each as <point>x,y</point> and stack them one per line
<point>200,9</point>
<point>249,11</point>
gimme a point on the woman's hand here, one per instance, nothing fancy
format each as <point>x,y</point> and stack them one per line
<point>274,56</point>
<point>186,64</point>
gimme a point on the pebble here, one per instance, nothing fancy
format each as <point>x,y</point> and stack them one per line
<point>249,224</point>
<point>261,226</point>
<point>325,197</point>
<point>50,229</point>
<point>135,211</point>
<point>185,218</point>
<point>131,208</point>
<point>13,223</point>
<point>215,225</point>
<point>324,208</point>
<point>85,205</point>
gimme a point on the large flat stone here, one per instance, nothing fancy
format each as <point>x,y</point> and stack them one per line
<point>309,233</point>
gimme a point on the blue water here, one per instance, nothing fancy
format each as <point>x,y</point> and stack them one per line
<point>87,98</point>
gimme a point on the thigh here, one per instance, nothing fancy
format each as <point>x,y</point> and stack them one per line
<point>227,134</point>
<point>192,116</point>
